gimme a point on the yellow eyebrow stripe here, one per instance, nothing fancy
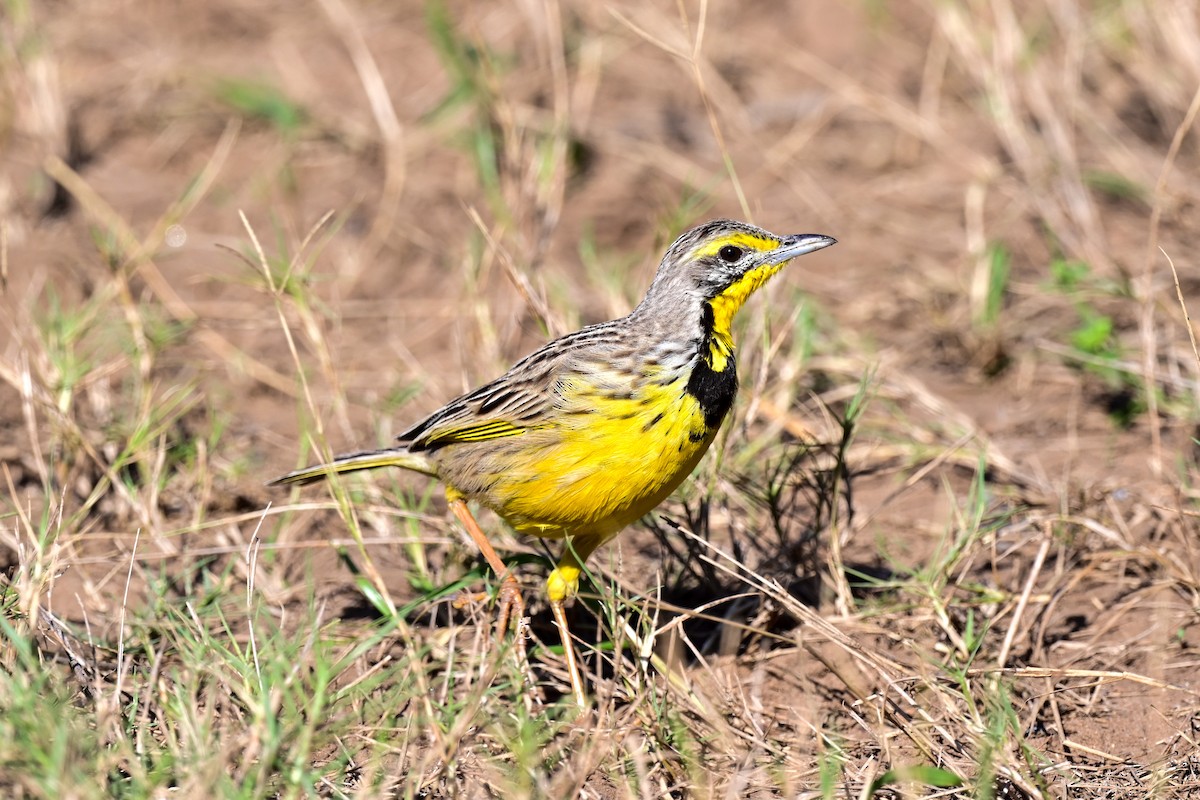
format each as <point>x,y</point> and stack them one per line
<point>746,241</point>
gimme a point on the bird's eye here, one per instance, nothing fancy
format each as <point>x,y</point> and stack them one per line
<point>730,254</point>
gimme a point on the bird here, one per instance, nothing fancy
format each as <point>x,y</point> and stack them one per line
<point>593,430</point>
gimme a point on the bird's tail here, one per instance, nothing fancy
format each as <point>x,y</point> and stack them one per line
<point>352,462</point>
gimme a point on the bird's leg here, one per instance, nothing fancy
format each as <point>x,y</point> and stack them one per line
<point>563,584</point>
<point>510,591</point>
<point>560,619</point>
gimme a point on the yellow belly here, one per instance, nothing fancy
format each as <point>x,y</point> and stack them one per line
<point>596,471</point>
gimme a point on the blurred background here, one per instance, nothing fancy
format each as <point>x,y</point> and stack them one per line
<point>235,236</point>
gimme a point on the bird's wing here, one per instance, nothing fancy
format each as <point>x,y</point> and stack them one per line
<point>520,400</point>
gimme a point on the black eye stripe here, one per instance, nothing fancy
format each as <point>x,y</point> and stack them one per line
<point>729,253</point>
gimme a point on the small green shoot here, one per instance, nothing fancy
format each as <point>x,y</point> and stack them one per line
<point>1094,338</point>
<point>260,101</point>
<point>1115,186</point>
<point>999,269</point>
<point>922,774</point>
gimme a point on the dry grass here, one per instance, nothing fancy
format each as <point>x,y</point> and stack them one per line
<point>946,547</point>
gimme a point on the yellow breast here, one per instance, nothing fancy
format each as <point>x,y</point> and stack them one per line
<point>607,461</point>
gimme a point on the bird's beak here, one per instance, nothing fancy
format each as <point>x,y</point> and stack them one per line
<point>798,245</point>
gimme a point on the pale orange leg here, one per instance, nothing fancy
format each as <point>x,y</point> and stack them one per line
<point>560,619</point>
<point>563,584</point>
<point>510,590</point>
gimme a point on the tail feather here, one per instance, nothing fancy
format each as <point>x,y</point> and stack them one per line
<point>353,462</point>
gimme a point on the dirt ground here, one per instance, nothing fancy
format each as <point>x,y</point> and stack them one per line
<point>445,260</point>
